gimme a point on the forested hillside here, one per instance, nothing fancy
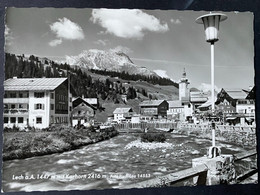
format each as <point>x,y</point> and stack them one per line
<point>83,83</point>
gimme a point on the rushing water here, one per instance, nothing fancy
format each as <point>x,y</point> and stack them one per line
<point>107,164</point>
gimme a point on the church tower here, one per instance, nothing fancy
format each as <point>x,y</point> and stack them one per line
<point>183,86</point>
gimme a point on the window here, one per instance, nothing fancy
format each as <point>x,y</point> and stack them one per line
<point>79,112</point>
<point>5,106</point>
<point>52,95</point>
<point>13,120</point>
<point>38,94</point>
<point>38,120</point>
<point>39,106</point>
<point>20,119</point>
<point>12,106</point>
<point>5,119</point>
<point>12,95</point>
<point>52,106</point>
<point>20,95</point>
<point>5,96</point>
<point>20,106</point>
<point>70,108</point>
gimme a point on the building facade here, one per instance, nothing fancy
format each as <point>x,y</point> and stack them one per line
<point>82,112</point>
<point>154,108</point>
<point>176,110</point>
<point>36,102</point>
<point>123,114</point>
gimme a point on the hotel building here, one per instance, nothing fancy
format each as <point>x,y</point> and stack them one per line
<point>36,102</point>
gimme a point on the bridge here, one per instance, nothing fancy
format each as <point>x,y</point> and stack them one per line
<point>205,171</point>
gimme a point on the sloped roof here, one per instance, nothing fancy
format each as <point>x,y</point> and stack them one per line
<point>32,84</point>
<point>151,103</point>
<point>206,104</point>
<point>236,93</point>
<point>91,100</point>
<point>77,101</point>
<point>122,110</point>
<point>175,104</point>
<point>198,96</point>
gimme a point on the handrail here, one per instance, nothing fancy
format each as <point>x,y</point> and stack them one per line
<point>173,178</point>
<point>244,155</point>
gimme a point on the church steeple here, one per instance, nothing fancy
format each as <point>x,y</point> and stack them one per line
<point>183,86</point>
<point>184,73</point>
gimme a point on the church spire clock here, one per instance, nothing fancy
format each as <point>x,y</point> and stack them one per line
<point>183,86</point>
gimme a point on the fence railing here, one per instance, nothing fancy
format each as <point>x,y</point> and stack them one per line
<point>123,126</point>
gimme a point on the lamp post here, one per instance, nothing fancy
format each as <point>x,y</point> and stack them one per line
<point>211,26</point>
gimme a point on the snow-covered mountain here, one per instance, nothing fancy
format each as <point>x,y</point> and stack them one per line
<point>107,60</point>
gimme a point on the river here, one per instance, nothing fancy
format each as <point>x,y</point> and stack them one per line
<point>107,164</point>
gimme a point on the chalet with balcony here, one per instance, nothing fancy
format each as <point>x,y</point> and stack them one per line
<point>123,114</point>
<point>36,102</point>
<point>82,112</point>
<point>154,108</point>
<point>237,103</point>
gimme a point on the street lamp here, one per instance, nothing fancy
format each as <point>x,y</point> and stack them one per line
<point>211,26</point>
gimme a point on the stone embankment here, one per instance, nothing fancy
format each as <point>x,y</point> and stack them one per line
<point>243,136</point>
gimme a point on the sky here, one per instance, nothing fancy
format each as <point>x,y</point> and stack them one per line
<point>166,41</point>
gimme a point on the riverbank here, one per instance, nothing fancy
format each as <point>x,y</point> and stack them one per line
<point>20,145</point>
<point>242,137</point>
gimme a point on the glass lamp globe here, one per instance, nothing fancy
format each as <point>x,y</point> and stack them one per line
<point>211,25</point>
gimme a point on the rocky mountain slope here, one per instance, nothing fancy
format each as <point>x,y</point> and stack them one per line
<point>107,60</point>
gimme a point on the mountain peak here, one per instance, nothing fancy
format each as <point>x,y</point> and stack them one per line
<point>107,60</point>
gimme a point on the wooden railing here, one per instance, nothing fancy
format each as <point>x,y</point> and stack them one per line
<point>250,172</point>
<point>173,178</point>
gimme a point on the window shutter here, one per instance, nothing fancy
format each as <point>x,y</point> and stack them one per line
<point>43,106</point>
<point>35,106</point>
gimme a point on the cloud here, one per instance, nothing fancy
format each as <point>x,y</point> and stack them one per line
<point>102,42</point>
<point>175,21</point>
<point>123,49</point>
<point>8,35</point>
<point>126,23</point>
<point>55,42</point>
<point>64,29</point>
<point>205,87</point>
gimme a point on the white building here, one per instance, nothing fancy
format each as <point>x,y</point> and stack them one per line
<point>36,102</point>
<point>176,110</point>
<point>246,107</point>
<point>183,86</point>
<point>120,114</point>
<point>135,118</point>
